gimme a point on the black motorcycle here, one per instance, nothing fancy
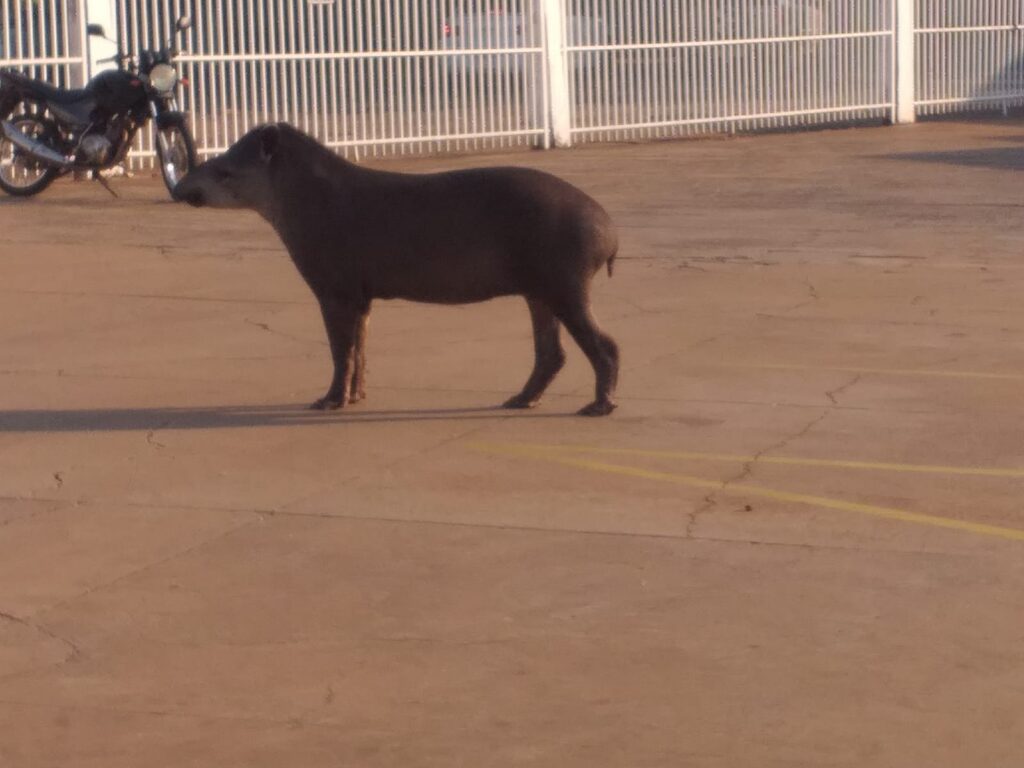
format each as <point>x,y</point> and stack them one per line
<point>92,129</point>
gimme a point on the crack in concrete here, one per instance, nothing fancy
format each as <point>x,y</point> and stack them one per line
<point>86,374</point>
<point>74,652</point>
<point>711,500</point>
<point>431,522</point>
<point>784,310</point>
<point>260,515</point>
<point>161,713</point>
<point>45,507</point>
<point>662,358</point>
<point>685,264</point>
<point>640,308</point>
<point>286,507</point>
<point>770,313</point>
<point>152,296</point>
<point>833,394</point>
<point>151,435</point>
<point>766,315</point>
<point>268,329</point>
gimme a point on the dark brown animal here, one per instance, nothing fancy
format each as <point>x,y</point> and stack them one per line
<point>357,235</point>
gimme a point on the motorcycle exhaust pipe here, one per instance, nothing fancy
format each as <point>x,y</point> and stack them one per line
<point>32,147</point>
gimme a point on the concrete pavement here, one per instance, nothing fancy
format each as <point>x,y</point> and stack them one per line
<point>798,542</point>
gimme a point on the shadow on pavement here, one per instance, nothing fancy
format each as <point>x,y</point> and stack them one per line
<point>1005,158</point>
<point>232,416</point>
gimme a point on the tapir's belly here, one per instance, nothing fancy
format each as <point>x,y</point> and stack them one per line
<point>438,290</point>
<point>445,276</point>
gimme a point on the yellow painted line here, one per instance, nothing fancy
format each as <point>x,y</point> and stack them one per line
<point>882,371</point>
<point>889,513</point>
<point>928,469</point>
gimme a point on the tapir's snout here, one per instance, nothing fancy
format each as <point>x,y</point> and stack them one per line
<point>187,192</point>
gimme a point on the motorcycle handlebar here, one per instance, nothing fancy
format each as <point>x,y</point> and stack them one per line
<point>116,58</point>
<point>171,52</point>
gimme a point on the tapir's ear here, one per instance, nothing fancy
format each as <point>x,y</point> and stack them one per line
<point>270,138</point>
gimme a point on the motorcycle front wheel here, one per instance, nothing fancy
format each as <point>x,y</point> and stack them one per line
<point>176,153</point>
<point>20,175</point>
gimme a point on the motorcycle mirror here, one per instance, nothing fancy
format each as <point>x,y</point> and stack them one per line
<point>183,23</point>
<point>96,30</point>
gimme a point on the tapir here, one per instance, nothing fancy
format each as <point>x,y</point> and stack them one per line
<point>358,234</point>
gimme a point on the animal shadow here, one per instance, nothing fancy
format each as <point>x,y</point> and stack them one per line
<point>233,417</point>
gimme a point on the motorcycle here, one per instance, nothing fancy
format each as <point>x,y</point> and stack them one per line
<point>91,129</point>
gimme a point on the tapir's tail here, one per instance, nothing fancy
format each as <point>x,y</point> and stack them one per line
<point>601,239</point>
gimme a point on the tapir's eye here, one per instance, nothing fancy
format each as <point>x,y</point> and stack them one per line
<point>221,174</point>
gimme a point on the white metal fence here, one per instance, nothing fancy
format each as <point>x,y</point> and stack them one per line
<point>970,55</point>
<point>394,76</point>
<point>376,76</point>
<point>44,38</point>
<point>648,69</point>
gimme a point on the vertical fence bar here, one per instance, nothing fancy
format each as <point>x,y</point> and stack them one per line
<point>557,74</point>
<point>904,62</point>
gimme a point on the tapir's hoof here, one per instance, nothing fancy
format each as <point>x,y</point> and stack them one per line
<point>356,397</point>
<point>520,402</point>
<point>326,404</point>
<point>597,408</point>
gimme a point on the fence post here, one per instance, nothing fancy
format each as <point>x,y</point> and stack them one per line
<point>100,12</point>
<point>553,18</point>
<point>904,62</point>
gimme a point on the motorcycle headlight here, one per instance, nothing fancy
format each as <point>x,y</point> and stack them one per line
<point>163,78</point>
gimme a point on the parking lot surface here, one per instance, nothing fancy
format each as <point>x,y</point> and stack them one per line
<point>799,541</point>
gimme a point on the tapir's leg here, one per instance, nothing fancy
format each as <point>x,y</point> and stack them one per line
<point>549,357</point>
<point>357,387</point>
<point>342,320</point>
<point>600,349</point>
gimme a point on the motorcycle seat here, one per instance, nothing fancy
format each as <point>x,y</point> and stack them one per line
<point>45,91</point>
<point>70,104</point>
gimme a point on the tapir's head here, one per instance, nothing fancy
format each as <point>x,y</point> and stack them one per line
<point>240,178</point>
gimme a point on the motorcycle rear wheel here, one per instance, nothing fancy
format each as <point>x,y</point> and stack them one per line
<point>20,175</point>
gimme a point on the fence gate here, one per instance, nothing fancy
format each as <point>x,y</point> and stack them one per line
<point>970,55</point>
<point>657,68</point>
